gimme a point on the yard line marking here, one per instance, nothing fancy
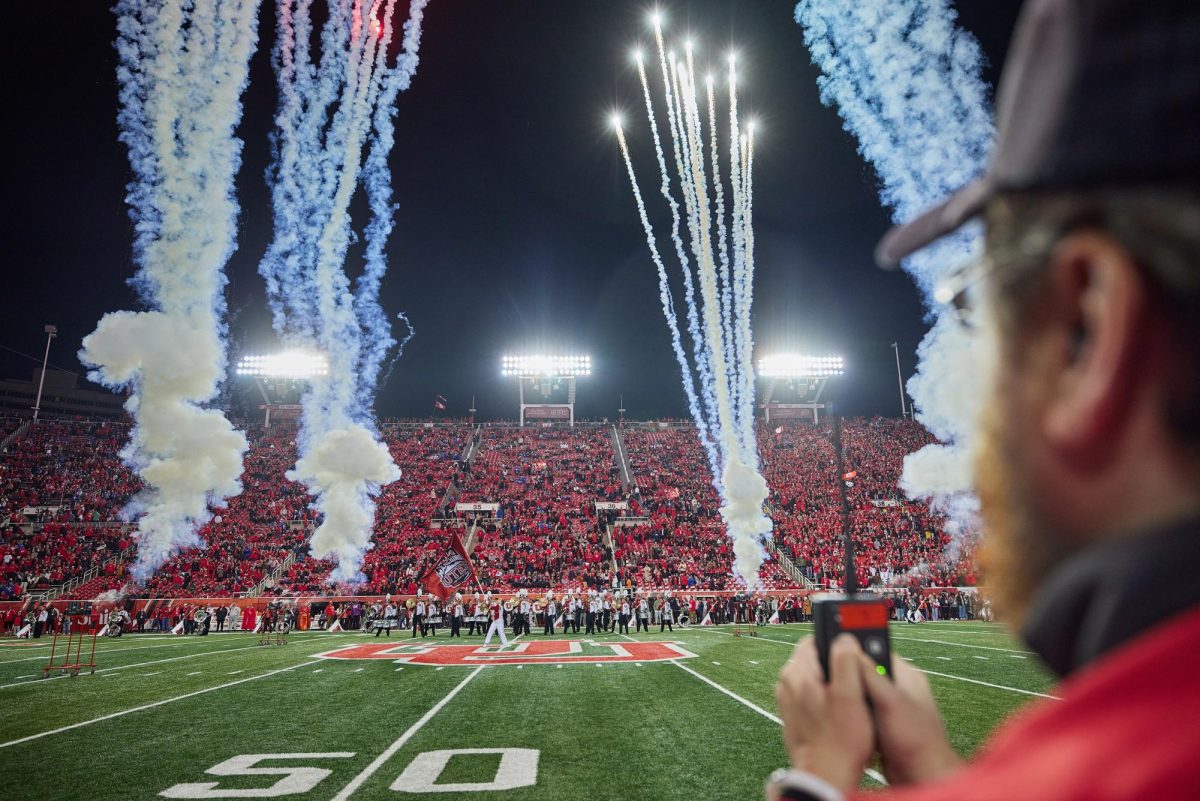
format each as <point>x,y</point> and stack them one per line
<point>875,775</point>
<point>930,672</point>
<point>137,664</point>
<point>195,672</point>
<point>751,661</point>
<point>1014,656</point>
<point>391,750</point>
<point>155,673</point>
<point>99,651</point>
<point>996,686</point>
<point>234,672</point>
<point>944,658</point>
<point>963,645</point>
<point>144,707</point>
<point>984,658</point>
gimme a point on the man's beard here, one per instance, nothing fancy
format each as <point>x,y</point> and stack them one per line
<point>1020,547</point>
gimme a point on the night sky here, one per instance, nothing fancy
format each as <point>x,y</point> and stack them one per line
<point>516,229</point>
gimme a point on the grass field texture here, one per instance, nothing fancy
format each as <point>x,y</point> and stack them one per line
<point>167,716</point>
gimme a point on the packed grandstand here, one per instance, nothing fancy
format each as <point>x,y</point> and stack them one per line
<point>63,487</point>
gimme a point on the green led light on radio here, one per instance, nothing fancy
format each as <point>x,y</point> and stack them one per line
<point>881,670</point>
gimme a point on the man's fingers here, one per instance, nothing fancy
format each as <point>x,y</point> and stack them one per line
<point>844,678</point>
<point>880,689</point>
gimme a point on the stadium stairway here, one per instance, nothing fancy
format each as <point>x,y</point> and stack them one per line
<point>622,459</point>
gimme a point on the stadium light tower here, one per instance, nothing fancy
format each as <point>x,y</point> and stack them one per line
<point>546,384</point>
<point>803,376</point>
<point>281,379</point>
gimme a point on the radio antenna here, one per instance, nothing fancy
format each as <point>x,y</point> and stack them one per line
<point>850,581</point>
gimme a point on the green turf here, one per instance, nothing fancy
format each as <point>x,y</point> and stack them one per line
<point>615,731</point>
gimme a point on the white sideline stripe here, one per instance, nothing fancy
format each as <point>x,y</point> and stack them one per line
<point>137,664</point>
<point>930,672</point>
<point>99,651</point>
<point>382,759</point>
<point>144,707</point>
<point>873,774</point>
<point>989,684</point>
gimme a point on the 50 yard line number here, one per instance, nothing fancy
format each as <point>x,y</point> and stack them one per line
<point>518,767</point>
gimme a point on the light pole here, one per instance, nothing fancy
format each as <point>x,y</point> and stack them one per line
<point>51,333</point>
<point>900,381</point>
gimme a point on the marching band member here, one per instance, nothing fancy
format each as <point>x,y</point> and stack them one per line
<point>666,615</point>
<point>478,618</point>
<point>418,620</point>
<point>456,616</point>
<point>551,610</point>
<point>496,614</point>
<point>643,618</point>
<point>623,619</point>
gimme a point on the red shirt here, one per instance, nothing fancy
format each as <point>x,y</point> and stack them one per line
<point>1125,730</point>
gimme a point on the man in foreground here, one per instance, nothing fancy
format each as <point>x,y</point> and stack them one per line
<point>1089,463</point>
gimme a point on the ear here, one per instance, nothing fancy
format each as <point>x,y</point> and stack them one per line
<point>1096,343</point>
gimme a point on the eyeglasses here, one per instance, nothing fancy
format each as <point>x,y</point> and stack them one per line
<point>959,290</point>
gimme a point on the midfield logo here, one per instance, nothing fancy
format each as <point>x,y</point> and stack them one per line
<point>536,652</point>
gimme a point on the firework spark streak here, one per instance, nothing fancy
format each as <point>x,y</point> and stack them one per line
<point>718,379</point>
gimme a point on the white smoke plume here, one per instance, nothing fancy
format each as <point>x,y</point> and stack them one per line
<point>906,81</point>
<point>182,70</point>
<point>716,262</point>
<point>332,111</point>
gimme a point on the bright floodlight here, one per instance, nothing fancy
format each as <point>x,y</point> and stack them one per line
<point>637,55</point>
<point>616,120</point>
<point>287,364</point>
<point>546,366</point>
<point>793,365</point>
<point>656,18</point>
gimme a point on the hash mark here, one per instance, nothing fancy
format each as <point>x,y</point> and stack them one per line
<point>943,658</point>
<point>718,664</point>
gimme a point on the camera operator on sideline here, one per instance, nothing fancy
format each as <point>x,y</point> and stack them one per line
<point>1088,466</point>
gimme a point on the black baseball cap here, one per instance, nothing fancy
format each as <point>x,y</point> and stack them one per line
<point>1095,93</point>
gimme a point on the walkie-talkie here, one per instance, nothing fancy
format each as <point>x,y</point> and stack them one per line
<point>864,616</point>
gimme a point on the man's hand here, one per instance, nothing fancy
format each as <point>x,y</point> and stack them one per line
<point>826,727</point>
<point>912,737</point>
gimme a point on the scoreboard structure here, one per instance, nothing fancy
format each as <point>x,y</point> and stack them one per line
<point>546,385</point>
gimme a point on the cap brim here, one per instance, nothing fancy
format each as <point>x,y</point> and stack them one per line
<point>904,240</point>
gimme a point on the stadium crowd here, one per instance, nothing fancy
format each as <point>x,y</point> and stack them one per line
<point>62,486</point>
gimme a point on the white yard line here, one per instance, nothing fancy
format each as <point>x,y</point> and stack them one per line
<point>136,664</point>
<point>963,645</point>
<point>873,774</point>
<point>391,750</point>
<point>99,651</point>
<point>989,684</point>
<point>929,672</point>
<point>144,707</point>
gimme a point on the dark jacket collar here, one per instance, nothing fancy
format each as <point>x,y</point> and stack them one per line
<point>1108,595</point>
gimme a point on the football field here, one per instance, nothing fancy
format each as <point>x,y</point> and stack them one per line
<point>688,715</point>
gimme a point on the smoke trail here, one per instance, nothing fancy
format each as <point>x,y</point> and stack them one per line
<point>330,113</point>
<point>181,73</point>
<point>907,84</point>
<point>717,302</point>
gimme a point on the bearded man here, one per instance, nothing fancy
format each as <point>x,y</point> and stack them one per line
<point>1089,464</point>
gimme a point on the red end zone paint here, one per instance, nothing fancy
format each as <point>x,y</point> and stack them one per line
<point>536,652</point>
